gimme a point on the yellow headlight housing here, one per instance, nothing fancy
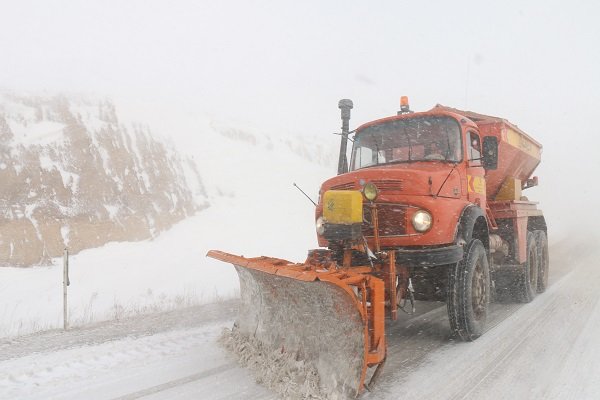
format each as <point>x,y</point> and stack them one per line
<point>370,191</point>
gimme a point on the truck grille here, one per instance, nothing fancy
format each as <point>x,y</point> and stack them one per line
<point>384,185</point>
<point>389,185</point>
<point>392,220</point>
<point>344,186</point>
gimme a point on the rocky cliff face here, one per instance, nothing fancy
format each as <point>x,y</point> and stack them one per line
<point>72,175</point>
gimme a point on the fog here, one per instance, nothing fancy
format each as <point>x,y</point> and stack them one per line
<point>282,67</point>
<point>246,76</point>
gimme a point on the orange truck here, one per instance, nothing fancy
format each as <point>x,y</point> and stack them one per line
<point>429,206</point>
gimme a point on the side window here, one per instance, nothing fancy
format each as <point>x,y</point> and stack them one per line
<point>474,148</point>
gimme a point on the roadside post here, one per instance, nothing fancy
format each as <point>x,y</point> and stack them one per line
<point>66,283</point>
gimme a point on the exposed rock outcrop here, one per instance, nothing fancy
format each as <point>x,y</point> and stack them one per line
<point>72,175</point>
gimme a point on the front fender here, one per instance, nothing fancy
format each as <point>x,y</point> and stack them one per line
<point>466,224</point>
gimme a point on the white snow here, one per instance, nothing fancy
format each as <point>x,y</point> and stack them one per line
<point>40,133</point>
<point>130,368</point>
<point>254,211</point>
<point>547,349</point>
<point>119,279</point>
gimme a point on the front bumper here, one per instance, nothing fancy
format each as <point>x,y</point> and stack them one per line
<point>431,256</point>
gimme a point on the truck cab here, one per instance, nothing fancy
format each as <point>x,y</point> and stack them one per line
<point>425,169</point>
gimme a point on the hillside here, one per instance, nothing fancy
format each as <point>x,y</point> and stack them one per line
<point>249,206</point>
<point>73,175</point>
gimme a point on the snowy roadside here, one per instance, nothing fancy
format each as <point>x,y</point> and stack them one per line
<point>55,340</point>
<point>145,356</point>
<point>249,215</point>
<point>171,271</point>
<point>116,281</point>
<point>125,279</point>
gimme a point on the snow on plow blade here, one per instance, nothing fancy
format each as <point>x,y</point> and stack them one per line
<point>331,318</point>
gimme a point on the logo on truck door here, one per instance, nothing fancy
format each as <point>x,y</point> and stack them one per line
<point>476,184</point>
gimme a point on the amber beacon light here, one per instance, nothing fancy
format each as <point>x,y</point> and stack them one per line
<point>404,108</point>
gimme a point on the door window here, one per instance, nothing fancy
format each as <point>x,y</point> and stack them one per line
<point>474,149</point>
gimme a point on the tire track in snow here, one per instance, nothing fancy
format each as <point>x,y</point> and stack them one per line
<point>545,339</point>
<point>434,367</point>
<point>177,382</point>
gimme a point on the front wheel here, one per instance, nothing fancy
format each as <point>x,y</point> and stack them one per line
<point>469,292</point>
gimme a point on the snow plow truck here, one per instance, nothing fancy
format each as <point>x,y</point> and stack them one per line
<point>428,207</point>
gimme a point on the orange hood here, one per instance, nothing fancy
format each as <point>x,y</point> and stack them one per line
<point>411,179</point>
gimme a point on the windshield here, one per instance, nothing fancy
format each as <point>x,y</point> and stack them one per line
<point>414,139</point>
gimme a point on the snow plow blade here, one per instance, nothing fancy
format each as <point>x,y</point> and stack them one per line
<point>328,317</point>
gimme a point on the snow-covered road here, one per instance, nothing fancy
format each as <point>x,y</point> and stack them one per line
<point>547,349</point>
<point>162,356</point>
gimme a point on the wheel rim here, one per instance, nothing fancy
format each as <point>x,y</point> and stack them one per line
<point>479,292</point>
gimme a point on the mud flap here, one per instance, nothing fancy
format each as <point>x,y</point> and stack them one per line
<point>319,316</point>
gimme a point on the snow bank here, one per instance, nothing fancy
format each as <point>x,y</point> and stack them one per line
<point>255,210</point>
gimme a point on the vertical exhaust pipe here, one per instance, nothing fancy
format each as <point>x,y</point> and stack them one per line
<point>345,105</point>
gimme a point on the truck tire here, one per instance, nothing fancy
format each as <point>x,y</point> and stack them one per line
<point>469,292</point>
<point>541,243</point>
<point>527,282</point>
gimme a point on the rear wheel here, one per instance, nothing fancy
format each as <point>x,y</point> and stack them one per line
<point>541,243</point>
<point>469,292</point>
<point>528,277</point>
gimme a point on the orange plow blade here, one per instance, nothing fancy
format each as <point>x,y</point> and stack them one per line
<point>330,317</point>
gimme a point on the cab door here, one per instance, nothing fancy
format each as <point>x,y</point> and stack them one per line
<point>475,171</point>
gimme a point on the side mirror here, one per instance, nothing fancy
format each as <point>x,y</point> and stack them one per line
<point>490,153</point>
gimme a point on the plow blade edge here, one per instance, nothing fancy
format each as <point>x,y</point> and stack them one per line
<point>331,319</point>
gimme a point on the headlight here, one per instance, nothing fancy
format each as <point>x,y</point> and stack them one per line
<point>370,191</point>
<point>320,226</point>
<point>421,221</point>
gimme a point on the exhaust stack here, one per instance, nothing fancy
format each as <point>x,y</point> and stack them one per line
<point>345,105</point>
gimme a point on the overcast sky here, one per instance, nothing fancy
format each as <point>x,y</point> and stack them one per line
<point>283,65</point>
